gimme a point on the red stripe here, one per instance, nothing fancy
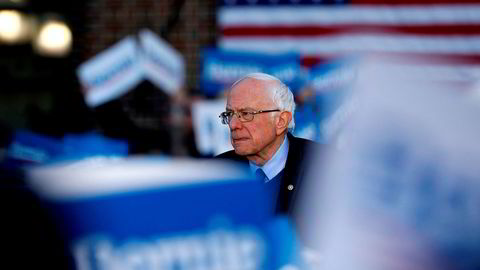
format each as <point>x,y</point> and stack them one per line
<point>315,30</point>
<point>312,60</point>
<point>412,2</point>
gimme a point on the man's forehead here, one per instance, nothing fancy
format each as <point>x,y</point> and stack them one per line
<point>249,90</point>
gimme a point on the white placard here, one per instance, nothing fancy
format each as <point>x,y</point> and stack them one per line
<point>163,65</point>
<point>211,136</point>
<point>111,73</point>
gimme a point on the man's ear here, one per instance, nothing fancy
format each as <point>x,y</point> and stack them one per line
<point>283,120</point>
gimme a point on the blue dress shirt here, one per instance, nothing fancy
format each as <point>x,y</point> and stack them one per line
<point>276,164</point>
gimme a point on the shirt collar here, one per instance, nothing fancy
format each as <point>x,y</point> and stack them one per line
<point>276,163</point>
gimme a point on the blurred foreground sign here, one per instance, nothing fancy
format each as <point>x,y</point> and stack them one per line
<point>156,213</point>
<point>403,191</point>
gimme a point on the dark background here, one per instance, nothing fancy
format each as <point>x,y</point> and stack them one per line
<point>42,94</point>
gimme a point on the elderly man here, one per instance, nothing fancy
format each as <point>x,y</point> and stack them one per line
<point>259,113</point>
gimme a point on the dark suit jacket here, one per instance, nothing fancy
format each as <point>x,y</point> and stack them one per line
<point>294,173</point>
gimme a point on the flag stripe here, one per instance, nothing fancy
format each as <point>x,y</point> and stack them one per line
<point>451,59</point>
<point>340,2</point>
<point>332,28</point>
<point>315,30</point>
<point>357,43</point>
<point>327,15</point>
<point>410,2</point>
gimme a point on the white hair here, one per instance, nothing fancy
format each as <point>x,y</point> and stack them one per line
<point>282,97</point>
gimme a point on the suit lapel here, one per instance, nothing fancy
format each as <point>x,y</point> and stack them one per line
<point>292,172</point>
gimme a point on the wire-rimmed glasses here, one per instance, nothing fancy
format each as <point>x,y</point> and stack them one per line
<point>243,116</point>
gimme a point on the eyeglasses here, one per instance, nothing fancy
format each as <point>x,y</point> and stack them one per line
<point>243,116</point>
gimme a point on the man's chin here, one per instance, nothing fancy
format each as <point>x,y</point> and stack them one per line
<point>242,152</point>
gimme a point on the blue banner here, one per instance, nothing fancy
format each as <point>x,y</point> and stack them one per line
<point>91,144</point>
<point>221,68</point>
<point>29,148</point>
<point>148,213</point>
<point>327,105</point>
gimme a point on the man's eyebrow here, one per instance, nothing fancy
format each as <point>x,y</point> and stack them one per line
<point>241,109</point>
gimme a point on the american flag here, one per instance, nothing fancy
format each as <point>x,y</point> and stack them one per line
<point>325,29</point>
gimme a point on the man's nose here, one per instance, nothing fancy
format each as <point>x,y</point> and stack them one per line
<point>235,122</point>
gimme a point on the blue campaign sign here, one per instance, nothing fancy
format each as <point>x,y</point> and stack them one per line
<point>220,68</point>
<point>331,75</point>
<point>92,144</point>
<point>331,84</point>
<point>307,121</point>
<point>288,69</point>
<point>28,148</point>
<point>151,213</point>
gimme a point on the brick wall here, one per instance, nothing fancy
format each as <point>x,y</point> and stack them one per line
<point>140,116</point>
<point>108,21</point>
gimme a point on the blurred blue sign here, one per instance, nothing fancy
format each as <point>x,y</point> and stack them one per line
<point>331,82</point>
<point>91,144</point>
<point>147,213</point>
<point>27,148</point>
<point>222,68</point>
<point>323,114</point>
<point>30,148</point>
<point>307,122</point>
